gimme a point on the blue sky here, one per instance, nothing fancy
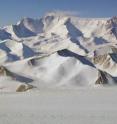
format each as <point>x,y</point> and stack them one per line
<point>13,10</point>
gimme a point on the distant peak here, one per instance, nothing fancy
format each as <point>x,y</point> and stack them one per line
<point>25,20</point>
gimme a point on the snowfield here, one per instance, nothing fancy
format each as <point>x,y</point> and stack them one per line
<point>76,106</point>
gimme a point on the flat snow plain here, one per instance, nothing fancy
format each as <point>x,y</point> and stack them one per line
<point>60,106</point>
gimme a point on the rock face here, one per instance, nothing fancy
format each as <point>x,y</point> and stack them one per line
<point>59,50</point>
<point>102,78</point>
<point>4,72</point>
<point>24,87</point>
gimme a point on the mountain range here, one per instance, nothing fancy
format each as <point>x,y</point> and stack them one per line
<point>58,51</point>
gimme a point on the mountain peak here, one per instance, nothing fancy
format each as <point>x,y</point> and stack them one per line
<point>25,20</point>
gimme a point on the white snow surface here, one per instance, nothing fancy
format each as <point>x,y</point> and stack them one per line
<point>81,106</point>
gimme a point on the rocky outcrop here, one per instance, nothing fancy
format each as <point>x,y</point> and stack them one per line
<point>4,72</point>
<point>102,79</point>
<point>105,78</point>
<point>24,87</point>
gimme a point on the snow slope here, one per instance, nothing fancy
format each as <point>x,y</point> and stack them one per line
<point>58,51</point>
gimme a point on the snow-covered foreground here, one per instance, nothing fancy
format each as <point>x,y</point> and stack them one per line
<point>65,106</point>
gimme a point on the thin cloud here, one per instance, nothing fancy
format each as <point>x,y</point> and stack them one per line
<point>65,12</point>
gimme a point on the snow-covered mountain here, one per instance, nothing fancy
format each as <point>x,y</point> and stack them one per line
<point>58,50</point>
